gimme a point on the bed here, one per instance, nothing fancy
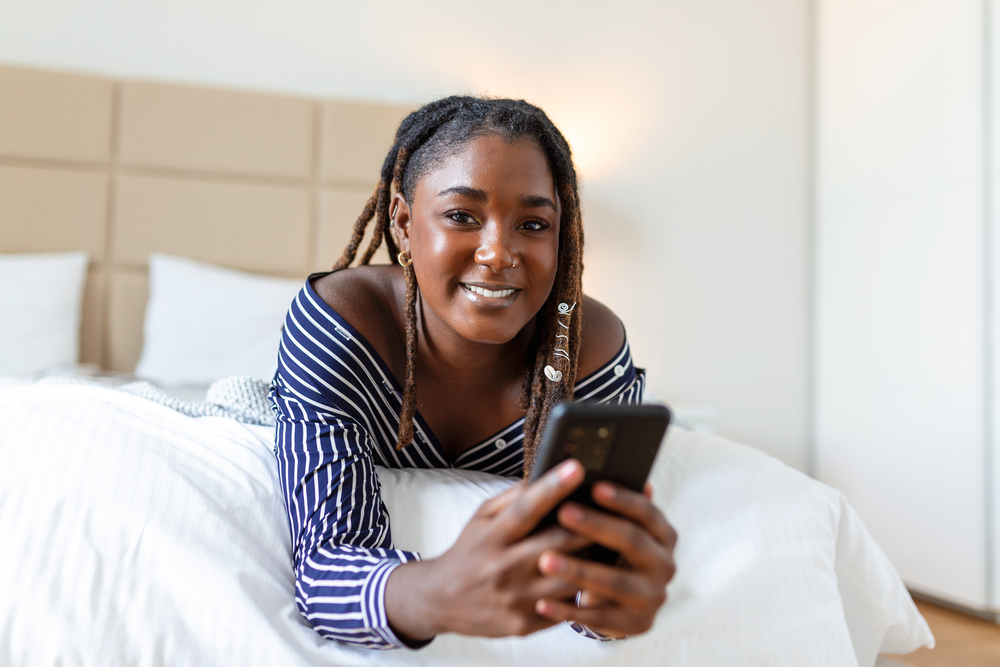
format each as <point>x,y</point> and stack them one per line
<point>142,524</point>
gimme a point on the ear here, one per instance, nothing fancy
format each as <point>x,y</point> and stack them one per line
<point>401,221</point>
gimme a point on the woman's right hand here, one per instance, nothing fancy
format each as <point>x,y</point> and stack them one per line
<point>488,583</point>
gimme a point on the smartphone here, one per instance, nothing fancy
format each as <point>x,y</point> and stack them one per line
<point>615,443</point>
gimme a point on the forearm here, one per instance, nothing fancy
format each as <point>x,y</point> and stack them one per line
<point>341,592</point>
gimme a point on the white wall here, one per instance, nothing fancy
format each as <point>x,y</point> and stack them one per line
<point>690,120</point>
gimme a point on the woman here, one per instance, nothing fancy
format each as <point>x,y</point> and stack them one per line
<point>484,314</point>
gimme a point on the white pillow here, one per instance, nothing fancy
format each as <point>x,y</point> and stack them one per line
<point>40,298</point>
<point>204,322</point>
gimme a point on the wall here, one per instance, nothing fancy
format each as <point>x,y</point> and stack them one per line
<point>689,119</point>
<point>901,347</point>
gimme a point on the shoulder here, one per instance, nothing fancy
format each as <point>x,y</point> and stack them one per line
<point>369,298</point>
<point>602,337</point>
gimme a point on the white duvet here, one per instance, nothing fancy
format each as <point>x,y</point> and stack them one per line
<point>132,535</point>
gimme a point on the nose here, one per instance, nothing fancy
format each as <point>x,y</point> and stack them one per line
<point>496,249</point>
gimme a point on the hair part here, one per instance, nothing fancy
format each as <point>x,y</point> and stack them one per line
<point>423,141</point>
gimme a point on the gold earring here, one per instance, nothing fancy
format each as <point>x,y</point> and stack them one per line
<point>404,259</point>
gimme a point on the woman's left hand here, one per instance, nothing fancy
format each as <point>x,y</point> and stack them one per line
<point>616,601</point>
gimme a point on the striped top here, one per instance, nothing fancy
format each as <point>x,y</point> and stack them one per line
<point>337,409</point>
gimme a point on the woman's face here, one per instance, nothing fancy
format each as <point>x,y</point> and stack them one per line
<point>483,231</point>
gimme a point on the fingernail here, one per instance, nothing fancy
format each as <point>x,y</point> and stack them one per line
<point>567,469</point>
<point>605,491</point>
<point>572,513</point>
<point>553,563</point>
<point>541,607</point>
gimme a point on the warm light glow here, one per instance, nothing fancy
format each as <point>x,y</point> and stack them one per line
<point>604,112</point>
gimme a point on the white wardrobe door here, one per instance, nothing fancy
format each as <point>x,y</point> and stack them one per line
<point>900,281</point>
<point>993,479</point>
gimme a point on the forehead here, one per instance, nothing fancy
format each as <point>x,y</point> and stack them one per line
<point>495,166</point>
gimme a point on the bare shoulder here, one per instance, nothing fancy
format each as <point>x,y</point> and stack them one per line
<point>368,298</point>
<point>603,335</point>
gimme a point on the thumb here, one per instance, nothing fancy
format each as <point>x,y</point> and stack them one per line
<point>496,504</point>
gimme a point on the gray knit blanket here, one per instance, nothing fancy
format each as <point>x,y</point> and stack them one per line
<point>240,397</point>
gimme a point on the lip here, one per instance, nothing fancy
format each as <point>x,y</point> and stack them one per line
<point>490,301</point>
<point>490,286</point>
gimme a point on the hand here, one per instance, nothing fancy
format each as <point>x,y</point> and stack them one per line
<point>616,601</point>
<point>487,584</point>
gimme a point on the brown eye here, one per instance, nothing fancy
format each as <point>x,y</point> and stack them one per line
<point>461,217</point>
<point>534,225</point>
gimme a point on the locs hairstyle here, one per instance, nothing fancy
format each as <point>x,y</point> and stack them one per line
<point>424,139</point>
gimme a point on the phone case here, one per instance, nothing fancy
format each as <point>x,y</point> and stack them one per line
<point>616,443</point>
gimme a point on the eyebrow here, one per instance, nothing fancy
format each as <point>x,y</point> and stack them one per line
<point>531,201</point>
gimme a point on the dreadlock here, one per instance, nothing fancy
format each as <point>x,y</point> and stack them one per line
<point>423,141</point>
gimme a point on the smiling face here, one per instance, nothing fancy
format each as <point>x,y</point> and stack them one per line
<point>482,228</point>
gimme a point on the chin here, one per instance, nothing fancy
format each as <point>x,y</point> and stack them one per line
<point>486,326</point>
<point>488,337</point>
<point>496,329</point>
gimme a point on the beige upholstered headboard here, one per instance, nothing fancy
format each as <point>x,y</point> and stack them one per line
<point>264,183</point>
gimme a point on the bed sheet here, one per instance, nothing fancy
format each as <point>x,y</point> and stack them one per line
<point>136,535</point>
<point>89,373</point>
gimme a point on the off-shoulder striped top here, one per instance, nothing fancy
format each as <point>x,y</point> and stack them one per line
<point>337,409</point>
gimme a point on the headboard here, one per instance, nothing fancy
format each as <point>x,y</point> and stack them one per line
<point>259,182</point>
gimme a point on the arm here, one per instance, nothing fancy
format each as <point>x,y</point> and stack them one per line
<point>341,541</point>
<point>325,417</point>
<point>369,595</point>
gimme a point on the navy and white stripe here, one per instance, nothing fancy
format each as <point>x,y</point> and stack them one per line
<point>337,415</point>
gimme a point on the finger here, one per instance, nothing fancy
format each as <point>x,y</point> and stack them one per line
<point>524,512</point>
<point>554,538</point>
<point>610,621</point>
<point>635,506</point>
<point>552,589</point>
<point>590,599</point>
<point>614,584</point>
<point>495,504</point>
<point>635,544</point>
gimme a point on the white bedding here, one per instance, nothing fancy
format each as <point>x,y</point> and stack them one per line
<point>130,534</point>
<point>91,374</point>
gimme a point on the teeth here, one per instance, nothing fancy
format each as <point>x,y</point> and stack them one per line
<point>490,293</point>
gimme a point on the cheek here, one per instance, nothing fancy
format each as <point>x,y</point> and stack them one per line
<point>546,263</point>
<point>439,258</point>
<point>424,242</point>
<point>429,247</point>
